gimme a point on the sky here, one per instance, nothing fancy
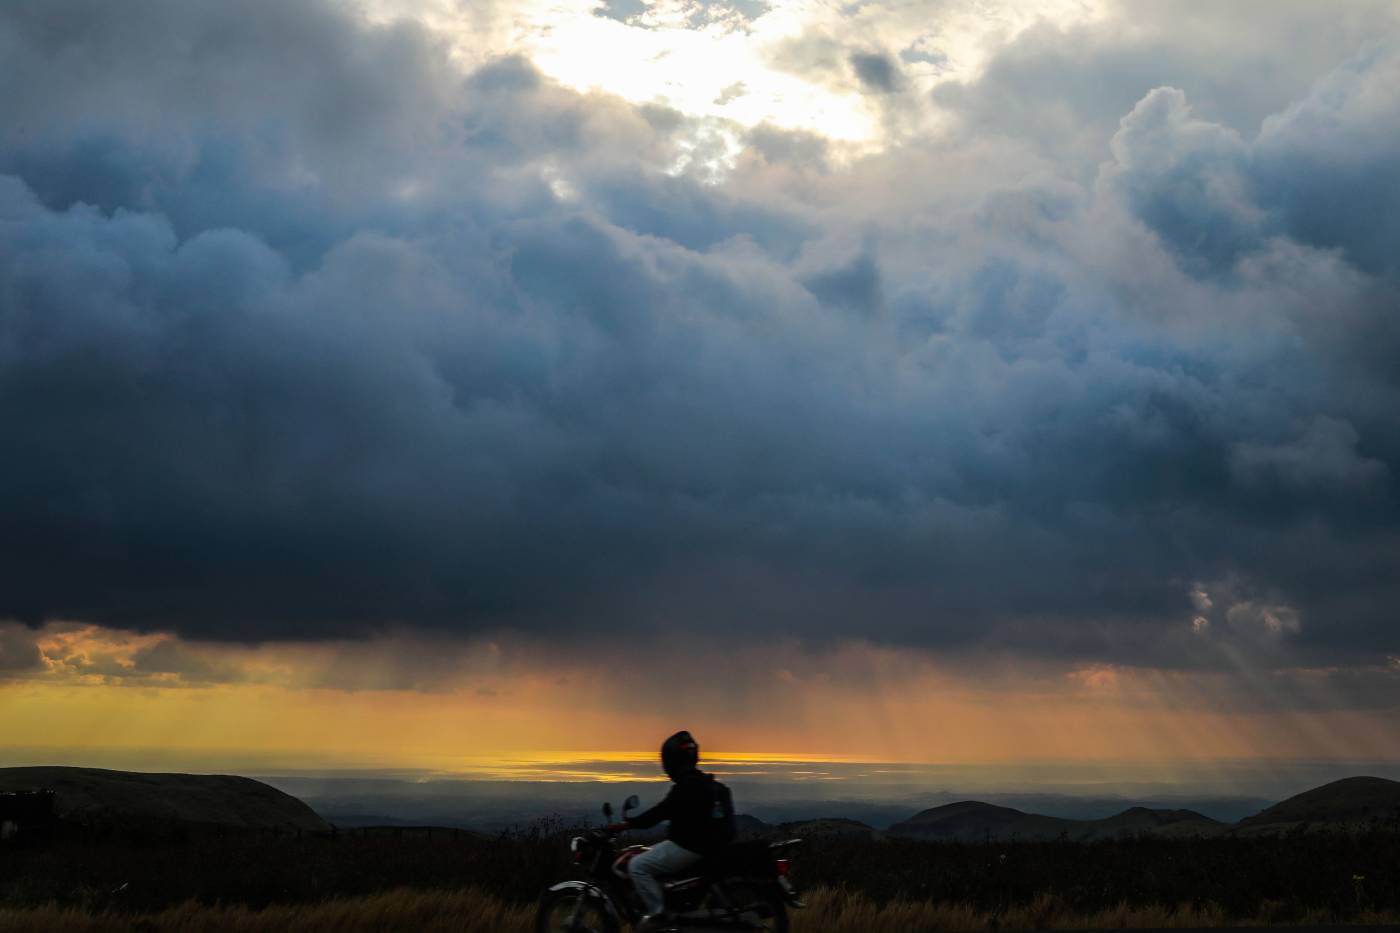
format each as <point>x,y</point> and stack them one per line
<point>485,387</point>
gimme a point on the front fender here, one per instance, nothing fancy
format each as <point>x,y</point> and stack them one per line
<point>591,890</point>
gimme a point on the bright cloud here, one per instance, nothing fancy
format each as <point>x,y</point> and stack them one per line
<point>795,65</point>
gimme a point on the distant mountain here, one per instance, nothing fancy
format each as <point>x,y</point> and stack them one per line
<point>1349,803</point>
<point>1352,801</point>
<point>972,821</point>
<point>753,828</point>
<point>96,796</point>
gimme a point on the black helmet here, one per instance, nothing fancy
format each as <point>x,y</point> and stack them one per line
<point>679,754</point>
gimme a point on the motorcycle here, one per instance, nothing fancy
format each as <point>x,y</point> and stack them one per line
<point>745,887</point>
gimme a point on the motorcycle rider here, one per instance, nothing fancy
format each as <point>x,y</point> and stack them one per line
<point>702,822</point>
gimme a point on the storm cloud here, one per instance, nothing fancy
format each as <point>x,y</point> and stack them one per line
<point>305,333</point>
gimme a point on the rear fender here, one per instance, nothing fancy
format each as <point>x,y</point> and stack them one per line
<point>592,892</point>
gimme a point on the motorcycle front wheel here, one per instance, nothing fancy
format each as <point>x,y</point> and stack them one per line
<point>573,912</point>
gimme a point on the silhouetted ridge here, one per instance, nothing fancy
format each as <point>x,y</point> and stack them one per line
<point>96,796</point>
<point>971,820</point>
<point>1352,800</point>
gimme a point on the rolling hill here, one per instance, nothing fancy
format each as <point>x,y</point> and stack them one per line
<point>753,828</point>
<point>1354,801</point>
<point>972,821</point>
<point>1349,803</point>
<point>95,796</point>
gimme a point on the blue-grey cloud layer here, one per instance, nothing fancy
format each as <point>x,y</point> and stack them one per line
<point>303,333</point>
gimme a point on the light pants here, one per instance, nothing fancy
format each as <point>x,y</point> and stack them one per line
<point>647,870</point>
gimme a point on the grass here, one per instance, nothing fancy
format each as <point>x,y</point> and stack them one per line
<point>831,911</point>
<point>415,880</point>
<point>471,911</point>
<point>466,911</point>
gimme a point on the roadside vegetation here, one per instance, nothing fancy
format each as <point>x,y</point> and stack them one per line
<point>412,879</point>
<point>471,911</point>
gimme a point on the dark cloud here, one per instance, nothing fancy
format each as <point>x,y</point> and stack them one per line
<point>622,10</point>
<point>305,334</point>
<point>877,71</point>
<point>19,652</point>
<point>854,286</point>
<point>171,661</point>
<point>1187,179</point>
<point>821,58</point>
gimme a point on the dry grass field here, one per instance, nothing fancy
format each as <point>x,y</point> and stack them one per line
<point>389,880</point>
<point>470,911</point>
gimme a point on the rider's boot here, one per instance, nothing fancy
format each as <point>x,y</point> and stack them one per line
<point>656,923</point>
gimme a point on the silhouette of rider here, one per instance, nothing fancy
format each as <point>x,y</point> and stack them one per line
<point>702,822</point>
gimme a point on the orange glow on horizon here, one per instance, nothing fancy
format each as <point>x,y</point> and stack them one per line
<point>463,734</point>
<point>497,711</point>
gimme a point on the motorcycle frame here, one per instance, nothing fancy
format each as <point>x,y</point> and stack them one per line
<point>612,891</point>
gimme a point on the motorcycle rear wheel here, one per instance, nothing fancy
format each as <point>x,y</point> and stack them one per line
<point>557,908</point>
<point>764,909</point>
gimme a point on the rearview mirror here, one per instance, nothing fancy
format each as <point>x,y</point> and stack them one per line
<point>631,803</point>
<point>607,810</point>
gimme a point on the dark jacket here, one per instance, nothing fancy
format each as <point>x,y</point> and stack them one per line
<point>700,810</point>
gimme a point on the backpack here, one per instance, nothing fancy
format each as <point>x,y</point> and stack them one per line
<point>722,827</point>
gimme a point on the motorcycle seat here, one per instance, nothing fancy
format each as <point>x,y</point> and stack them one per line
<point>750,857</point>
